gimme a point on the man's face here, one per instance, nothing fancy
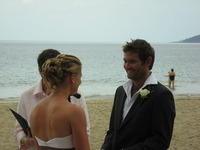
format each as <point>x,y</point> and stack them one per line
<point>134,68</point>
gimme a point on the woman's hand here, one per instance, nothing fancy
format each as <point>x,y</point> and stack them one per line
<point>27,141</point>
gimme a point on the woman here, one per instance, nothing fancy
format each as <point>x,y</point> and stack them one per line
<point>55,122</point>
<point>171,76</point>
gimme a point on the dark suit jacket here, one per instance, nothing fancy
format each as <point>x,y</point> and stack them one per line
<point>147,126</point>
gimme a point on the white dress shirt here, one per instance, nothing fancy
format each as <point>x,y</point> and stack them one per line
<point>128,87</point>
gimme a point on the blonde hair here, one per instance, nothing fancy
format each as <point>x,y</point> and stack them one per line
<point>55,70</point>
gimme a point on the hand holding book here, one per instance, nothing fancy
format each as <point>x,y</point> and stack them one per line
<point>23,122</point>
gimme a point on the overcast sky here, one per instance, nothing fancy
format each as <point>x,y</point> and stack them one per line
<point>99,20</point>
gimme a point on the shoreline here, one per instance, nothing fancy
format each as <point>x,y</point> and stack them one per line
<point>186,134</point>
<point>99,97</point>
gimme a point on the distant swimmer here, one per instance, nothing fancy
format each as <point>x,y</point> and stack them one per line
<point>171,76</point>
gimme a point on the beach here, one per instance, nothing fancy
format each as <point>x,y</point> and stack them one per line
<point>186,135</point>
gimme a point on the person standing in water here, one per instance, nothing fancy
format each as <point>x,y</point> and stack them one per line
<point>171,76</point>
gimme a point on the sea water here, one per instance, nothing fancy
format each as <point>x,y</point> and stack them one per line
<point>102,69</point>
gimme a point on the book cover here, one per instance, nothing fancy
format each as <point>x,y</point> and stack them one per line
<point>22,121</point>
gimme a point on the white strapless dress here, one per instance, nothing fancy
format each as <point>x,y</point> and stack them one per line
<point>62,142</point>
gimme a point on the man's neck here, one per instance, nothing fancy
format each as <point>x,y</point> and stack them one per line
<point>137,84</point>
<point>44,87</point>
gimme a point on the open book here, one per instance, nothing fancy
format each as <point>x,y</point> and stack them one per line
<point>23,122</point>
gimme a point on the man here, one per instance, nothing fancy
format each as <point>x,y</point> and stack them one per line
<point>143,112</point>
<point>34,95</point>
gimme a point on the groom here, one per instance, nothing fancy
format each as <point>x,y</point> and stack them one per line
<point>143,112</point>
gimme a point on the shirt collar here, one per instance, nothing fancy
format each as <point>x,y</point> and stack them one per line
<point>128,85</point>
<point>150,80</point>
<point>127,88</point>
<point>38,88</point>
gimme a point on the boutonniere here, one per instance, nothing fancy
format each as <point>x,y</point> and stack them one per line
<point>146,91</point>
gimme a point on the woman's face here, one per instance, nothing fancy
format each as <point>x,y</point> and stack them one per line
<point>76,83</point>
<point>78,79</point>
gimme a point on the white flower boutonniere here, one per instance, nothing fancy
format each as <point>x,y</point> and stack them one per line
<point>146,91</point>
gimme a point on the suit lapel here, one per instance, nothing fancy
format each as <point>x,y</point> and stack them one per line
<point>139,101</point>
<point>133,109</point>
<point>120,106</point>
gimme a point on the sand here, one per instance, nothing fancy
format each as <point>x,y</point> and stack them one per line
<point>186,135</point>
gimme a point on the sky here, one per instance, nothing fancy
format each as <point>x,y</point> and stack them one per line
<point>107,21</point>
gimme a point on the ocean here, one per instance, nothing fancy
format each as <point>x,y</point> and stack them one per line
<point>102,67</point>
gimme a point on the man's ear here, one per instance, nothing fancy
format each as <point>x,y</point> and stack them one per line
<point>40,71</point>
<point>149,61</point>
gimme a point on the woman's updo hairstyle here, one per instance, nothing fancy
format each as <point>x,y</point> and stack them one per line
<point>55,70</point>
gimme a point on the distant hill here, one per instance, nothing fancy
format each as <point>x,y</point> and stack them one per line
<point>194,39</point>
